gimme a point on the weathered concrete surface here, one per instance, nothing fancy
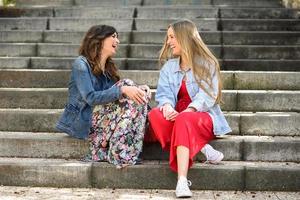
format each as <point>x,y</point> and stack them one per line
<point>68,50</point>
<point>23,23</point>
<point>76,37</point>
<point>83,24</point>
<point>18,49</point>
<point>260,24</point>
<point>21,36</point>
<point>14,62</point>
<point>29,193</point>
<point>95,12</point>
<point>44,172</point>
<point>162,24</point>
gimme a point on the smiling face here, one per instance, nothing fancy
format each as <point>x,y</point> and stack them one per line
<point>173,43</point>
<point>110,45</point>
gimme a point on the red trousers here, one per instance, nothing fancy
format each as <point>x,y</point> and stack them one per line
<point>190,129</point>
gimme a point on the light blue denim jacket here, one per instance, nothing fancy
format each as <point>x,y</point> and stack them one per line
<point>168,87</point>
<point>85,91</point>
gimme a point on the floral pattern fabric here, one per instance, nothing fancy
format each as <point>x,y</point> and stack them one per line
<point>118,129</point>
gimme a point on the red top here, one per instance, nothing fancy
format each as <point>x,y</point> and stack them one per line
<point>183,98</point>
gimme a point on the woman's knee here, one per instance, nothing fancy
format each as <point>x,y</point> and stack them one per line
<point>155,113</point>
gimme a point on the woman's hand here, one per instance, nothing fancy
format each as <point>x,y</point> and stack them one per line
<point>135,94</point>
<point>169,112</point>
<point>147,91</point>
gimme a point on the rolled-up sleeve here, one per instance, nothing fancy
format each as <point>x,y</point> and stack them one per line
<point>84,84</point>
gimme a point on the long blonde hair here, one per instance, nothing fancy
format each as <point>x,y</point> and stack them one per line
<point>203,63</point>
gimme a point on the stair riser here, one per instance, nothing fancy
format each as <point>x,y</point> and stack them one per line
<point>233,101</point>
<point>229,38</point>
<point>232,177</point>
<point>231,80</point>
<point>234,149</point>
<point>246,124</point>
<point>151,51</point>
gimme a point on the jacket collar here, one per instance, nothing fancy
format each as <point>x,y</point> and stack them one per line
<point>176,68</point>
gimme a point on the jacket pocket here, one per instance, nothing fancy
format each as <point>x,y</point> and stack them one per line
<point>70,115</point>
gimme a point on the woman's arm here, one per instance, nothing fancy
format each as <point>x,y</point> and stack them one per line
<point>164,94</point>
<point>202,102</point>
<point>84,84</point>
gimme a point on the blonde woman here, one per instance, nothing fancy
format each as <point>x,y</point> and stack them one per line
<point>188,115</point>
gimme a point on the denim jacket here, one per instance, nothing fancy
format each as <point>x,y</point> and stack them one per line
<point>85,91</point>
<point>168,87</point>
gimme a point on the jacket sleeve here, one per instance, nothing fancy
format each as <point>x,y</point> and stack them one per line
<point>202,102</point>
<point>84,84</point>
<point>164,94</point>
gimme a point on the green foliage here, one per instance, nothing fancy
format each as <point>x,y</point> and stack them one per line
<point>9,2</point>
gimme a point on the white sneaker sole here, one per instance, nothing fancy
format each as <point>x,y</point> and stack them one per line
<point>218,160</point>
<point>184,195</point>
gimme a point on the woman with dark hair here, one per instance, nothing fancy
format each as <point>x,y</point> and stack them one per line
<point>108,111</point>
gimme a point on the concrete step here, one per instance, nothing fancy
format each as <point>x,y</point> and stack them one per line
<point>26,12</point>
<point>261,38</point>
<point>235,148</point>
<point>245,3</point>
<point>70,173</point>
<point>222,3</point>
<point>175,12</point>
<point>260,65</point>
<point>49,62</point>
<point>21,36</point>
<point>260,24</point>
<point>152,50</point>
<point>225,37</point>
<point>259,13</point>
<point>215,12</point>
<point>261,52</point>
<point>37,3</point>
<point>109,3</point>
<point>238,80</point>
<point>65,50</point>
<point>226,52</point>
<point>204,24</point>
<point>96,12</point>
<point>28,23</point>
<point>212,24</point>
<point>234,100</point>
<point>92,12</point>
<point>242,123</point>
<point>18,49</point>
<point>58,23</point>
<point>76,37</point>
<point>83,24</point>
<point>90,3</point>
<point>147,63</point>
<point>140,37</point>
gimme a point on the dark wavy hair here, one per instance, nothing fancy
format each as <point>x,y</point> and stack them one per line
<point>91,47</point>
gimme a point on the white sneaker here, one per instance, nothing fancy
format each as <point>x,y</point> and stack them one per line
<point>182,188</point>
<point>212,156</point>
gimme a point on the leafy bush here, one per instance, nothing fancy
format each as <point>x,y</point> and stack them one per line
<point>9,2</point>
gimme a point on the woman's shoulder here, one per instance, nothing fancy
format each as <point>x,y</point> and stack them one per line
<point>80,63</point>
<point>170,64</point>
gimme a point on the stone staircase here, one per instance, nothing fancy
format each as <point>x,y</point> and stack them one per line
<point>257,43</point>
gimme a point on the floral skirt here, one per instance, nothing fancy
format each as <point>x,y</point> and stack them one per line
<point>118,129</point>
